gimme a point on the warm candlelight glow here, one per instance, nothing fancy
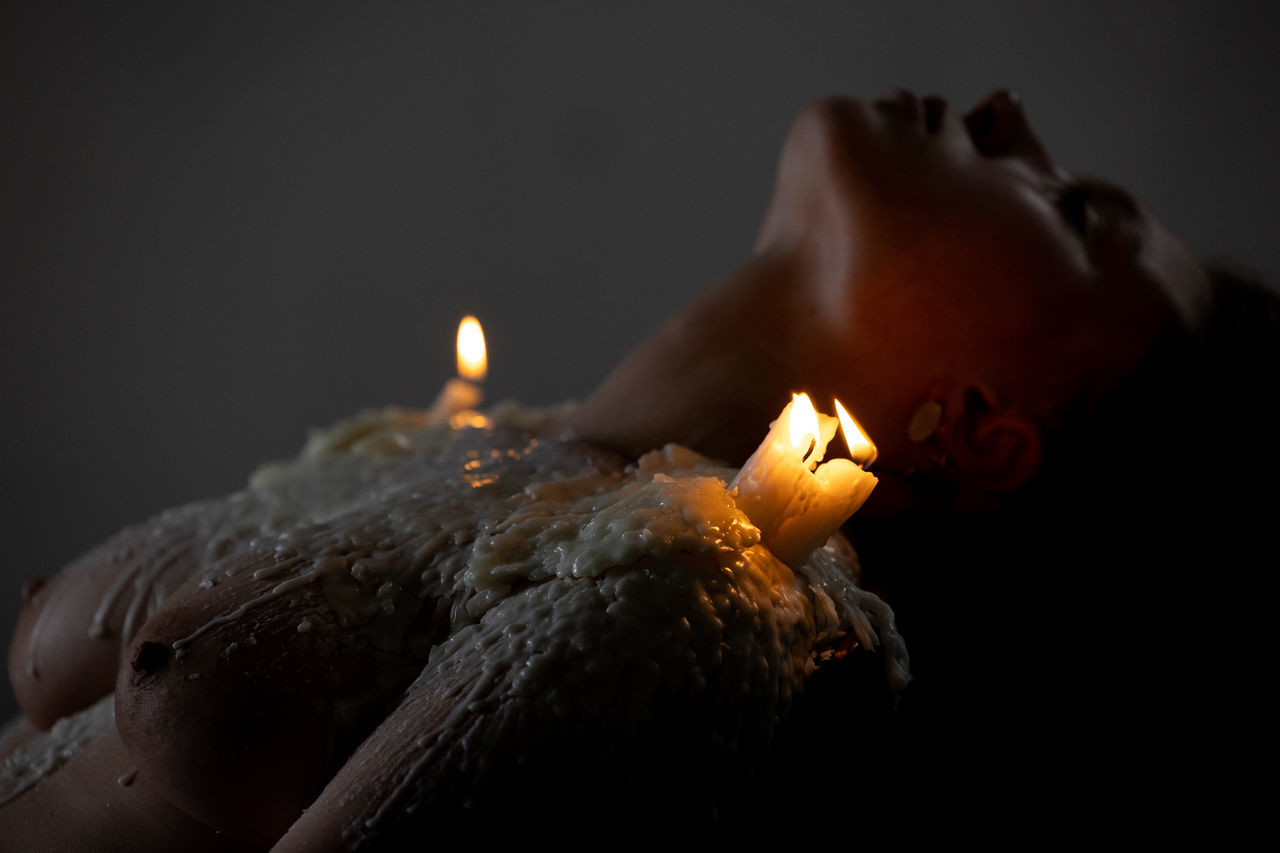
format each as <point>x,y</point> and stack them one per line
<point>470,420</point>
<point>796,500</point>
<point>861,450</point>
<point>462,394</point>
<point>803,424</point>
<point>472,363</point>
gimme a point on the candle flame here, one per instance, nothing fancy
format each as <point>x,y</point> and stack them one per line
<point>472,361</point>
<point>861,449</point>
<point>803,424</point>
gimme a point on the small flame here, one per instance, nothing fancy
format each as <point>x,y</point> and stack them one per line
<point>803,424</point>
<point>472,362</point>
<point>861,450</point>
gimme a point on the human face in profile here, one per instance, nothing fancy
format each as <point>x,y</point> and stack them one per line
<point>958,260</point>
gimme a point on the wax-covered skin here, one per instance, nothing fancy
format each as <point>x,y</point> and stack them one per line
<point>365,781</point>
<point>649,686</point>
<point>251,683</point>
<point>661,700</point>
<point>73,629</point>
<point>69,636</point>
<point>266,669</point>
<point>242,727</point>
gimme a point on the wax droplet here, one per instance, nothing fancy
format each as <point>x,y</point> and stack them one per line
<point>925,422</point>
<point>126,778</point>
<point>304,626</point>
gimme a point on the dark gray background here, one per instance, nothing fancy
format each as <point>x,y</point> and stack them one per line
<point>222,223</point>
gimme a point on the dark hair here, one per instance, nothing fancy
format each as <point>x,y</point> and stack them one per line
<point>1188,432</point>
<point>1116,615</point>
<point>1162,505</point>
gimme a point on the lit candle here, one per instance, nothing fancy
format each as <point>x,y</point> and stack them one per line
<point>463,391</point>
<point>796,502</point>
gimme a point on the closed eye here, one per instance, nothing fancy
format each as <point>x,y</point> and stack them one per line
<point>1102,214</point>
<point>1075,204</point>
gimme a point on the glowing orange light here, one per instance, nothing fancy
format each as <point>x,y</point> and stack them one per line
<point>470,420</point>
<point>803,424</point>
<point>861,450</point>
<point>472,361</point>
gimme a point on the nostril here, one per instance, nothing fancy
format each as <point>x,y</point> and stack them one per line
<point>998,128</point>
<point>149,657</point>
<point>980,121</point>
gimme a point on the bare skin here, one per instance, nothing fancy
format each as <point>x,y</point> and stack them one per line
<point>909,255</point>
<point>265,721</point>
<point>89,809</point>
<point>15,733</point>
<point>360,790</point>
<point>913,255</point>
<point>59,661</point>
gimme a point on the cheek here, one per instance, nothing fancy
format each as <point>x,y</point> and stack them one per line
<point>868,373</point>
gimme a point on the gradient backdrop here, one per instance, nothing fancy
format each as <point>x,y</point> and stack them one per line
<point>221,223</point>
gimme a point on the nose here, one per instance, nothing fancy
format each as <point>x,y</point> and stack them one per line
<point>999,128</point>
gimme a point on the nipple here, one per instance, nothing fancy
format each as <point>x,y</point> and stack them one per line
<point>149,658</point>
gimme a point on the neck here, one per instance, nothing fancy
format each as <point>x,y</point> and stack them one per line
<point>714,375</point>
